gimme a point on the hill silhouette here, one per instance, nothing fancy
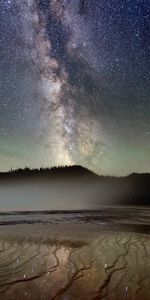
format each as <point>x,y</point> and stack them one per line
<point>67,171</point>
<point>133,189</point>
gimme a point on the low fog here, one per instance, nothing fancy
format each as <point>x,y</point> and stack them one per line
<point>59,195</point>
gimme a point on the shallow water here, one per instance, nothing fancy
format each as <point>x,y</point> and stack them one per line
<point>82,255</point>
<point>105,215</point>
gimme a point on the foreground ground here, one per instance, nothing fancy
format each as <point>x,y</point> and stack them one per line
<point>74,261</point>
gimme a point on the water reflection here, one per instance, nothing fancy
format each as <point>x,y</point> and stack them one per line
<point>114,265</point>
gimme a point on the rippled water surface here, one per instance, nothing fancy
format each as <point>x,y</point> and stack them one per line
<point>75,255</point>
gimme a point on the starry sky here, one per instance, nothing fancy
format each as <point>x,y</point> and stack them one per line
<point>75,84</point>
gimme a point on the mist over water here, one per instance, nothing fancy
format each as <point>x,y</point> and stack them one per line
<point>42,196</point>
<point>58,195</point>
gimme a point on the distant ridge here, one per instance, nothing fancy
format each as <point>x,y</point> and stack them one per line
<point>70,171</point>
<point>75,170</point>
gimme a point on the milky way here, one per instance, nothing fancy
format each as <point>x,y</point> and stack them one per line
<point>74,84</point>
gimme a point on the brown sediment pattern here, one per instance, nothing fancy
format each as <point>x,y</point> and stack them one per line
<point>94,264</point>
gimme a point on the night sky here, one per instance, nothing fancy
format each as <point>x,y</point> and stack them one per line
<point>75,84</point>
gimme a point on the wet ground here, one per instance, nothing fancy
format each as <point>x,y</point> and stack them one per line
<point>70,256</point>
